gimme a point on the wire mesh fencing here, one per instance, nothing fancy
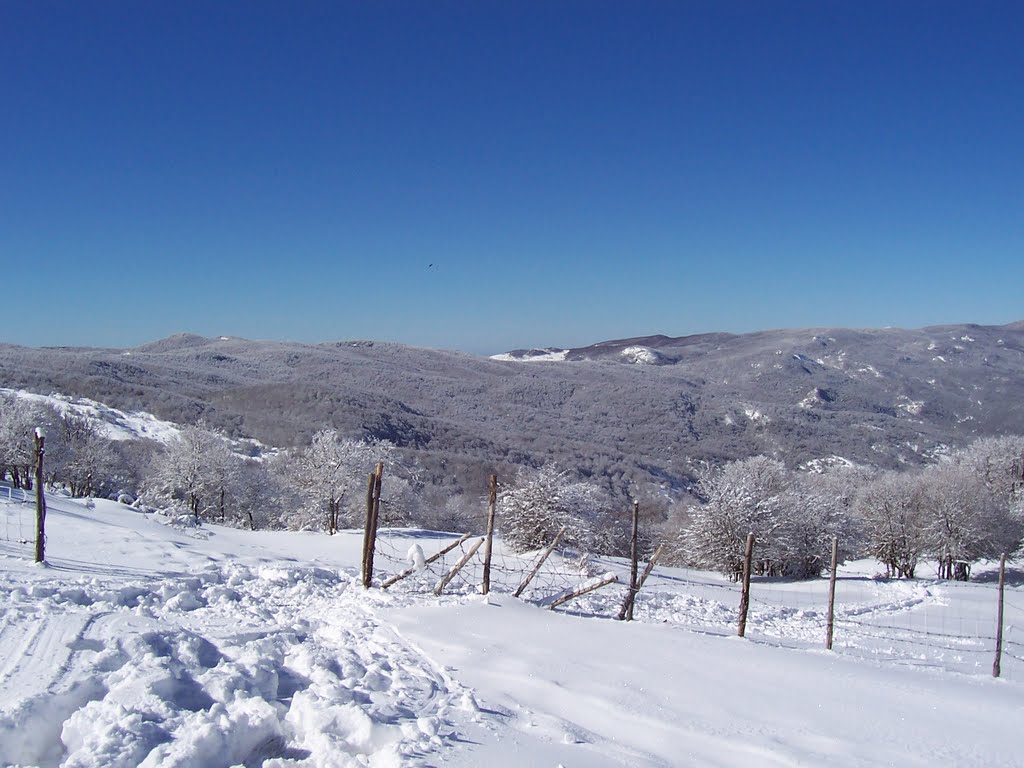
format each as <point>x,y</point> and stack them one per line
<point>17,520</point>
<point>925,623</point>
<point>423,559</point>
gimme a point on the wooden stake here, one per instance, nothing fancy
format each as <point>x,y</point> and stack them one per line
<point>456,568</point>
<point>745,597</point>
<point>544,556</point>
<point>369,522</point>
<point>999,620</point>
<point>650,566</point>
<point>376,522</point>
<point>626,612</point>
<point>486,587</point>
<point>410,571</point>
<point>40,441</point>
<point>582,590</point>
<point>832,594</point>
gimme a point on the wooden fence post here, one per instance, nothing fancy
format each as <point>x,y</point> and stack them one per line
<point>40,441</point>
<point>582,590</point>
<point>650,566</point>
<point>376,522</point>
<point>745,597</point>
<point>999,625</point>
<point>456,568</point>
<point>490,534</point>
<point>428,561</point>
<point>626,612</point>
<point>371,482</point>
<point>832,594</point>
<point>544,556</point>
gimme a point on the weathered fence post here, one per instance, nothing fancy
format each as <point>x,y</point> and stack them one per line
<point>456,568</point>
<point>999,619</point>
<point>745,597</point>
<point>650,566</point>
<point>376,522</point>
<point>626,612</point>
<point>371,482</point>
<point>544,556</point>
<point>40,441</point>
<point>830,624</point>
<point>582,590</point>
<point>372,518</point>
<point>490,534</point>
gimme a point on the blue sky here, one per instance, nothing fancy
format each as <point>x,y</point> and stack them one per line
<point>574,171</point>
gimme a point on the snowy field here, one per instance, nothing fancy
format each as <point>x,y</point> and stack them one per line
<point>142,642</point>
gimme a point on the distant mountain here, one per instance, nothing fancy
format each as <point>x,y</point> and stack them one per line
<point>627,412</point>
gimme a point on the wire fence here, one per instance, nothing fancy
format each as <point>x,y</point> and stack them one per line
<point>17,519</point>
<point>922,622</point>
<point>399,550</point>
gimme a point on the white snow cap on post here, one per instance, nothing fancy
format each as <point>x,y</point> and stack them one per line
<point>40,433</point>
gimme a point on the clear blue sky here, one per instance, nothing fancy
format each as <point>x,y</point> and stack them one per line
<point>574,171</point>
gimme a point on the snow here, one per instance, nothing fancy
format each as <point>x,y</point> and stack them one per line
<point>639,355</point>
<point>913,407</point>
<point>534,356</point>
<point>112,423</point>
<point>146,642</point>
<point>755,415</point>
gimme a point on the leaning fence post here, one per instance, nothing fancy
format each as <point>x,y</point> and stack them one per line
<point>410,571</point>
<point>456,568</point>
<point>832,594</point>
<point>544,556</point>
<point>626,612</point>
<point>745,596</point>
<point>490,534</point>
<point>582,590</point>
<point>40,496</point>
<point>999,620</point>
<point>650,566</point>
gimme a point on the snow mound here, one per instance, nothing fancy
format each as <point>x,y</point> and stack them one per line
<point>638,355</point>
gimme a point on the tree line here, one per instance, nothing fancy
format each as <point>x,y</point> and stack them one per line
<point>963,509</point>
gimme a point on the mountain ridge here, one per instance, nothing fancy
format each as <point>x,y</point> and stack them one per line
<point>626,413</point>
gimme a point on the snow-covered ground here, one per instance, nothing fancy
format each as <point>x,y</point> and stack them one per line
<point>145,641</point>
<point>111,422</point>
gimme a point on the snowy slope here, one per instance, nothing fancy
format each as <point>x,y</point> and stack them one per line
<point>147,643</point>
<point>113,424</point>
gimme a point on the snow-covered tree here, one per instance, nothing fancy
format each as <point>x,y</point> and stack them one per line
<point>195,471</point>
<point>892,511</point>
<point>18,421</point>
<point>85,459</point>
<point>532,510</point>
<point>746,496</point>
<point>257,491</point>
<point>818,507</point>
<point>970,505</point>
<point>330,474</point>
